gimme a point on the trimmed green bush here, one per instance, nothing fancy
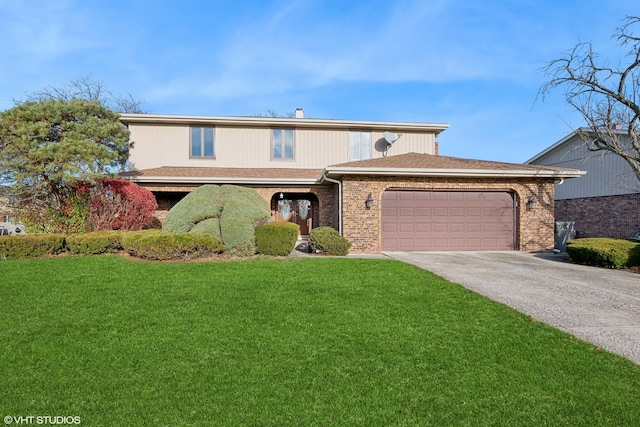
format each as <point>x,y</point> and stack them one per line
<point>161,245</point>
<point>94,243</point>
<point>276,238</point>
<point>228,212</point>
<point>31,245</point>
<point>605,252</point>
<point>202,203</point>
<point>329,241</point>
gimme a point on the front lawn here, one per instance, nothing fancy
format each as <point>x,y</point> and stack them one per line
<point>313,342</point>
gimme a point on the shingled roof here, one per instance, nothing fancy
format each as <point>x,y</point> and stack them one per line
<point>201,175</point>
<point>435,165</point>
<point>411,164</point>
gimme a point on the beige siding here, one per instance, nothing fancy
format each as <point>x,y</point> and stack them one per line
<point>607,174</point>
<point>157,145</point>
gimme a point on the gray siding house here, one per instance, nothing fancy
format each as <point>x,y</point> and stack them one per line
<point>603,203</point>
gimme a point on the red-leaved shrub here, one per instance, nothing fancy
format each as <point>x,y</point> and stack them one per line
<point>118,204</point>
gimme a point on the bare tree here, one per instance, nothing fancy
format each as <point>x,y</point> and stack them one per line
<point>606,96</point>
<point>273,114</point>
<point>91,90</point>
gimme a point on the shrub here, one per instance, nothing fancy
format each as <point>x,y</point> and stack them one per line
<point>31,246</point>
<point>97,242</point>
<point>328,240</point>
<point>202,203</point>
<point>605,252</point>
<point>108,204</point>
<point>276,238</point>
<point>118,204</point>
<point>228,212</point>
<point>160,245</point>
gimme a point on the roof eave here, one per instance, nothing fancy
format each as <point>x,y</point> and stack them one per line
<point>562,142</point>
<point>282,121</point>
<point>221,180</point>
<point>464,173</point>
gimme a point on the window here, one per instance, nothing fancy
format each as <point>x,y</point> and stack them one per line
<point>202,142</point>
<point>359,145</point>
<point>282,144</point>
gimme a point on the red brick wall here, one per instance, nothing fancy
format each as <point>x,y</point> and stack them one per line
<point>609,216</point>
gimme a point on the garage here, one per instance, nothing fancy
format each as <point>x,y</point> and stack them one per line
<point>448,220</point>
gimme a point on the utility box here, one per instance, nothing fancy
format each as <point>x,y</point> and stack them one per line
<point>564,231</point>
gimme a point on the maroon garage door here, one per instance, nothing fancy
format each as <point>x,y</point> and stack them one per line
<point>447,221</point>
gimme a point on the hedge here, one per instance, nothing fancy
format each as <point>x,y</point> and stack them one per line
<point>605,252</point>
<point>94,243</point>
<point>328,240</point>
<point>276,238</point>
<point>31,245</point>
<point>161,245</point>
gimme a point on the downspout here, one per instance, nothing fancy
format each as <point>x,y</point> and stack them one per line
<point>335,181</point>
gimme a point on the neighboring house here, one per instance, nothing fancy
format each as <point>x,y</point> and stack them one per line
<point>344,174</point>
<point>603,203</point>
<point>7,220</point>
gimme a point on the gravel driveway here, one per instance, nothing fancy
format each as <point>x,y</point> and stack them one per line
<point>597,305</point>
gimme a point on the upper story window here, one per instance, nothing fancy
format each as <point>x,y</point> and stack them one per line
<point>359,145</point>
<point>202,142</point>
<point>282,144</point>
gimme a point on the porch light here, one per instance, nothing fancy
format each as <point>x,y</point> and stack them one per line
<point>369,202</point>
<point>281,196</point>
<point>532,203</point>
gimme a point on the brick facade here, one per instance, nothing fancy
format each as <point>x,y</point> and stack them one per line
<point>362,227</point>
<point>607,216</point>
<point>323,212</point>
<point>324,209</point>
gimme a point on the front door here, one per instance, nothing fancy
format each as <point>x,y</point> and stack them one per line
<point>297,211</point>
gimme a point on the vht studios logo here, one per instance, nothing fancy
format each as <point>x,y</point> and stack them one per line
<point>42,420</point>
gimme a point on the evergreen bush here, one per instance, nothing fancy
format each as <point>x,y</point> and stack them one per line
<point>276,238</point>
<point>329,241</point>
<point>94,243</point>
<point>605,252</point>
<point>31,245</point>
<point>162,245</point>
<point>227,212</point>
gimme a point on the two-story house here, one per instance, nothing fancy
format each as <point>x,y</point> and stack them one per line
<point>606,201</point>
<point>381,184</point>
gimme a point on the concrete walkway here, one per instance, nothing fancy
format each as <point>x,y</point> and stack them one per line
<point>598,305</point>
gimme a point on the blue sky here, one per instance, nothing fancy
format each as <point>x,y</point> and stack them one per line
<point>472,64</point>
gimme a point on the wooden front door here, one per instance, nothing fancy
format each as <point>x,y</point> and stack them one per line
<point>297,211</point>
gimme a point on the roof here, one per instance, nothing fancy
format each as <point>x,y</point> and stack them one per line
<point>282,121</point>
<point>415,164</point>
<point>202,175</point>
<point>411,164</point>
<point>558,145</point>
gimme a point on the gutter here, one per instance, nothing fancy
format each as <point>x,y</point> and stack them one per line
<point>461,173</point>
<point>324,177</point>
<point>221,180</point>
<point>131,118</point>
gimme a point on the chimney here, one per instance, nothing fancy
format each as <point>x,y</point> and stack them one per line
<point>299,113</point>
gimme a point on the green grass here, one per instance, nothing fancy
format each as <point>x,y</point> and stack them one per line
<point>309,342</point>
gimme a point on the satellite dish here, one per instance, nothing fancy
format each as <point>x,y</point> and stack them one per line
<point>390,137</point>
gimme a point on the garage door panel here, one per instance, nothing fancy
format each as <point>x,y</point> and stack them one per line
<point>441,212</point>
<point>406,227</point>
<point>447,220</point>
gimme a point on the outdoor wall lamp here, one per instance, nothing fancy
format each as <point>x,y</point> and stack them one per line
<point>532,203</point>
<point>369,202</point>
